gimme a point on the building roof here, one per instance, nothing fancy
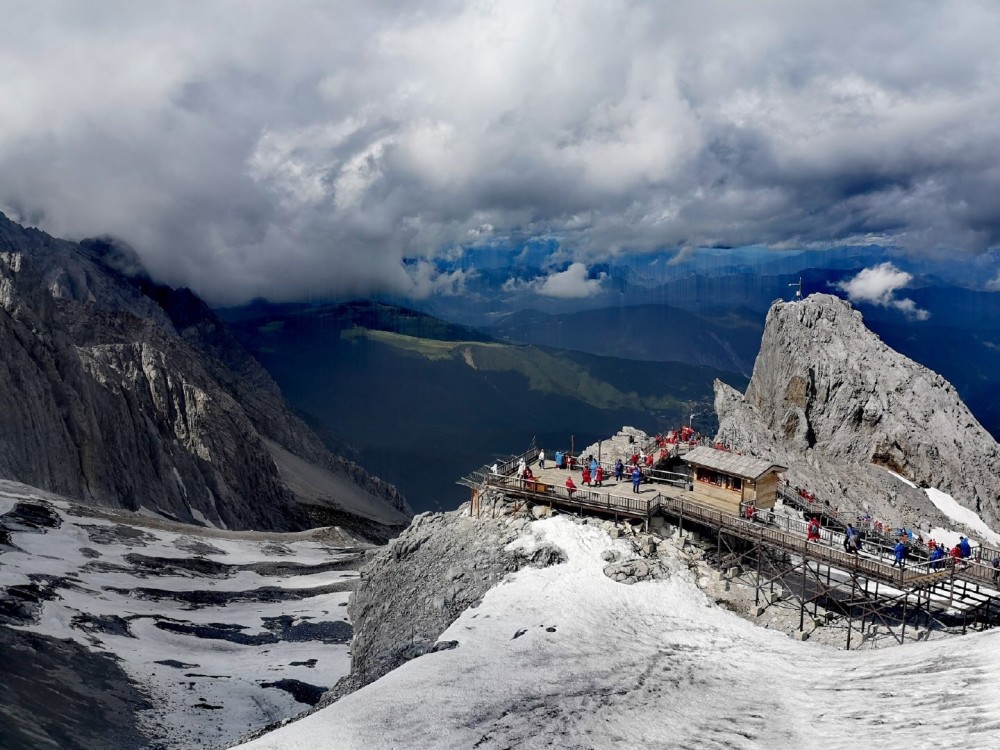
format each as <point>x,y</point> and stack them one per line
<point>732,464</point>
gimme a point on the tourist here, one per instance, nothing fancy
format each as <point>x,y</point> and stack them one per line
<point>996,569</point>
<point>812,530</point>
<point>593,466</point>
<point>495,468</point>
<point>899,552</point>
<point>559,460</point>
<point>541,459</point>
<point>599,476</point>
<point>852,540</point>
<point>936,555</point>
<point>619,470</point>
<point>570,487</point>
<point>636,479</point>
<point>520,467</point>
<point>956,555</point>
<point>586,475</point>
<point>964,547</point>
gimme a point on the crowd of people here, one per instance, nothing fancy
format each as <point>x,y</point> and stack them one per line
<point>905,545</point>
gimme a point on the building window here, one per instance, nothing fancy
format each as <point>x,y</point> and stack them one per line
<point>724,481</point>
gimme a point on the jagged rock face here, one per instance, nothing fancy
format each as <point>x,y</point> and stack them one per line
<point>828,397</point>
<point>123,393</point>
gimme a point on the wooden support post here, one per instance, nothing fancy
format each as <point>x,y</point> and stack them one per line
<point>864,609</point>
<point>850,608</point>
<point>756,599</point>
<point>802,599</point>
<point>902,633</point>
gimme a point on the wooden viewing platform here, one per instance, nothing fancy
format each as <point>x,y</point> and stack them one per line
<point>939,586</point>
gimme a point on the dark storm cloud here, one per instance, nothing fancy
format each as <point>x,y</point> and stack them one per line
<point>306,148</point>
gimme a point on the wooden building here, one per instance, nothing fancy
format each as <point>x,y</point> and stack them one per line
<point>725,480</point>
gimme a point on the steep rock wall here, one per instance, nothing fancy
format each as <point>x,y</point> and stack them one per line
<point>123,393</point>
<point>838,406</point>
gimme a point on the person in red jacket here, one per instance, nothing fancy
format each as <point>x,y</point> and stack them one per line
<point>955,555</point>
<point>586,475</point>
<point>812,531</point>
<point>570,487</point>
<point>599,476</point>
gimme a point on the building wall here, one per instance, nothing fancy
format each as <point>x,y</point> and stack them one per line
<point>716,496</point>
<point>767,490</point>
<point>762,493</point>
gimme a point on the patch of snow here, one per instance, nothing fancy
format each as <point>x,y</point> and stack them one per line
<point>960,514</point>
<point>95,580</point>
<point>202,519</point>
<point>902,479</point>
<point>150,513</point>
<point>180,482</point>
<point>565,657</point>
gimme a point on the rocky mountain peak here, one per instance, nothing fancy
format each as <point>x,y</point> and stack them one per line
<point>827,392</point>
<point>128,394</point>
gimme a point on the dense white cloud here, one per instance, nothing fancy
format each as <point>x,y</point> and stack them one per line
<point>303,148</point>
<point>572,283</point>
<point>878,286</point>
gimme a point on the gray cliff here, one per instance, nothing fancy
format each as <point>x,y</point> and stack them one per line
<point>831,401</point>
<point>124,393</point>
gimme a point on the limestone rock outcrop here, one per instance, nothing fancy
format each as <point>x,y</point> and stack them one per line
<point>123,393</point>
<point>830,400</point>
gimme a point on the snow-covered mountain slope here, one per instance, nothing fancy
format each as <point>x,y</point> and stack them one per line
<point>118,631</point>
<point>564,657</point>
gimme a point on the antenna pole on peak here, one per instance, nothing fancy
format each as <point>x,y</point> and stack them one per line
<point>798,288</point>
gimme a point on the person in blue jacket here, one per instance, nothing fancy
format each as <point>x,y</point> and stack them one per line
<point>964,547</point>
<point>900,552</point>
<point>559,459</point>
<point>636,478</point>
<point>936,554</point>
<point>619,470</point>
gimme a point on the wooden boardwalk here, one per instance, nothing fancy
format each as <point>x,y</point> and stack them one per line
<point>618,500</point>
<point>921,591</point>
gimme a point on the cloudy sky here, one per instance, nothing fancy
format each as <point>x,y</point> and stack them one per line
<point>299,149</point>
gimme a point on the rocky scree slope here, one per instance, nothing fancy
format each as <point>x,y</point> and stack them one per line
<point>127,394</point>
<point>837,406</point>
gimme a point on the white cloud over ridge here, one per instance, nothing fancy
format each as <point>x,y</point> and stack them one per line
<point>307,148</point>
<point>573,283</point>
<point>878,286</point>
